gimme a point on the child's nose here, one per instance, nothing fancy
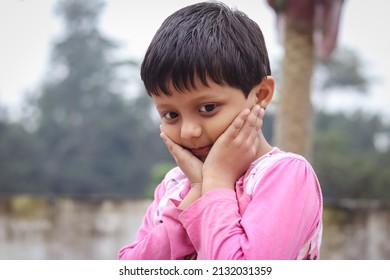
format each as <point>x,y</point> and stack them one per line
<point>190,129</point>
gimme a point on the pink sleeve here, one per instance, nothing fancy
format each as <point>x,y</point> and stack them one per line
<point>283,213</point>
<point>165,240</point>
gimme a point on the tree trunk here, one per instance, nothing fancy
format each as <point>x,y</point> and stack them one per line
<point>293,122</point>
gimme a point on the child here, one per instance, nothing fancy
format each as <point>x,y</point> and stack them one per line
<point>232,195</point>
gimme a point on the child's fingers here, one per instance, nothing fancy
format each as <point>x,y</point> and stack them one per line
<point>252,124</point>
<point>247,121</point>
<point>177,151</point>
<point>169,143</point>
<point>188,163</point>
<point>173,148</point>
<point>259,119</point>
<point>234,129</point>
<point>253,116</point>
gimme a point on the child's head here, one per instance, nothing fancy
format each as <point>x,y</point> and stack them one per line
<point>205,65</point>
<point>205,41</point>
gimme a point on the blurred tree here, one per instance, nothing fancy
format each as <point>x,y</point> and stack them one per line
<point>341,71</point>
<point>308,30</point>
<point>346,159</point>
<point>20,155</point>
<point>96,141</point>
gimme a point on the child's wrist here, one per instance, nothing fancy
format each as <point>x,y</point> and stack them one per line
<point>214,183</point>
<point>194,193</point>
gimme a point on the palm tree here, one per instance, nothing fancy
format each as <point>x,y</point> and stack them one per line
<point>308,29</point>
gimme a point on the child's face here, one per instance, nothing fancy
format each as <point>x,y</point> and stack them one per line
<point>195,119</point>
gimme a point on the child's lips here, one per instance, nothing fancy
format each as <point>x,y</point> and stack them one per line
<point>202,151</point>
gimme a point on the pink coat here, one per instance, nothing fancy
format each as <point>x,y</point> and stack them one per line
<point>275,212</point>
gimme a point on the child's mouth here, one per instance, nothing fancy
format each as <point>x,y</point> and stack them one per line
<point>201,152</point>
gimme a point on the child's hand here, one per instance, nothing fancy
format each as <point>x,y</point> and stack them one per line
<point>234,150</point>
<point>188,163</point>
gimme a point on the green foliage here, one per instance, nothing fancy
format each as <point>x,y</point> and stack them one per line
<point>97,141</point>
<point>346,160</point>
<point>20,156</point>
<point>342,70</point>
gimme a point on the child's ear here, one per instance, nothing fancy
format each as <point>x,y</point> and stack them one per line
<point>265,91</point>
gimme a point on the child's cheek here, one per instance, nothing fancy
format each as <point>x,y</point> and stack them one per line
<point>171,132</point>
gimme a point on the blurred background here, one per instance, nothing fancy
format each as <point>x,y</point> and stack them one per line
<point>80,153</point>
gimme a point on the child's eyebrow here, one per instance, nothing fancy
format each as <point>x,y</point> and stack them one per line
<point>209,95</point>
<point>195,98</point>
<point>162,107</point>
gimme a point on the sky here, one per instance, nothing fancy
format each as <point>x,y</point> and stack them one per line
<point>28,28</point>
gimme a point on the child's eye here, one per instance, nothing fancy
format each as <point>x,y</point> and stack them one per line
<point>170,115</point>
<point>207,108</point>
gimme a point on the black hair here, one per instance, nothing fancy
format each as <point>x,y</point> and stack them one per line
<point>207,40</point>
